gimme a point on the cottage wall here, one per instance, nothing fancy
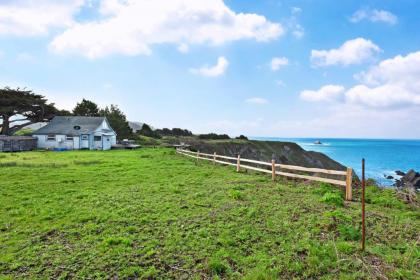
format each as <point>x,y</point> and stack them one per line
<point>59,142</point>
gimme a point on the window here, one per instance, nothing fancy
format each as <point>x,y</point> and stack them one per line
<point>69,138</point>
<point>76,127</point>
<point>97,138</point>
<point>85,137</point>
<point>51,137</point>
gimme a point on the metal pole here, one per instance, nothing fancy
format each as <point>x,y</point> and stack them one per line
<point>363,206</point>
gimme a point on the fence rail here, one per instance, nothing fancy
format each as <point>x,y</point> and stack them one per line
<point>278,169</point>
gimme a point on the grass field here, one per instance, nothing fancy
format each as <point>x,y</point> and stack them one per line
<point>154,214</point>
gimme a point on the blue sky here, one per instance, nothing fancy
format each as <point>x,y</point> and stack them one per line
<point>261,68</point>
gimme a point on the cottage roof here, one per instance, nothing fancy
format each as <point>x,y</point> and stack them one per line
<point>71,125</point>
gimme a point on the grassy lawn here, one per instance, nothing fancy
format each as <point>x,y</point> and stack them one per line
<point>154,214</point>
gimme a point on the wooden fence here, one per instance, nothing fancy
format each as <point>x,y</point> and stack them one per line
<point>275,169</point>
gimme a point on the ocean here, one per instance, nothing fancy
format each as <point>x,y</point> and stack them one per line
<point>383,157</point>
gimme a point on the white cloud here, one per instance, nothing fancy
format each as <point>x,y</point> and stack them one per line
<point>213,71</point>
<point>393,82</point>
<point>354,51</point>
<point>277,62</point>
<point>183,48</point>
<point>327,93</point>
<point>293,25</point>
<point>374,16</point>
<point>133,27</point>
<point>31,18</point>
<point>256,100</point>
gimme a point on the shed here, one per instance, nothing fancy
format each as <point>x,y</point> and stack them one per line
<point>74,133</point>
<point>17,143</point>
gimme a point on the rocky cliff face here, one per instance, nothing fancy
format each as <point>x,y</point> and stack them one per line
<point>410,180</point>
<point>282,152</point>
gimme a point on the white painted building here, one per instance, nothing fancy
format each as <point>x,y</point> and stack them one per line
<point>74,133</point>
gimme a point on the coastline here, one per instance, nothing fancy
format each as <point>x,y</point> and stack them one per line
<point>383,156</point>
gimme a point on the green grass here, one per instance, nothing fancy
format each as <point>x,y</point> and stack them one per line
<point>154,214</point>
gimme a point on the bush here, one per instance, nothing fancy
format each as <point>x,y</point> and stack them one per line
<point>173,132</point>
<point>242,137</point>
<point>147,131</point>
<point>235,194</point>
<point>147,141</point>
<point>383,197</point>
<point>349,233</point>
<point>217,266</point>
<point>213,136</point>
<point>333,198</point>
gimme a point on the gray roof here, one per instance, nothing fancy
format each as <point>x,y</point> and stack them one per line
<point>68,125</point>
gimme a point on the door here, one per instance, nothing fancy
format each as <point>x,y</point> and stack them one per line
<point>106,142</point>
<point>84,139</point>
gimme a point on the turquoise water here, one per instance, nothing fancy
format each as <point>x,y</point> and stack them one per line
<point>383,157</point>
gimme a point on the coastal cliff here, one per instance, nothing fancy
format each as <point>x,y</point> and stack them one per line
<point>282,152</point>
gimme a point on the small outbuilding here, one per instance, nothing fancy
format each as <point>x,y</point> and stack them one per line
<point>17,143</point>
<point>75,133</point>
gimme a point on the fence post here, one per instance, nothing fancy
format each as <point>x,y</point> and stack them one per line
<point>273,169</point>
<point>363,206</point>
<point>198,155</point>
<point>214,158</point>
<point>349,178</point>
<point>238,163</point>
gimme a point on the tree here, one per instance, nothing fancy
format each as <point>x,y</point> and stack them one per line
<point>86,108</point>
<point>118,121</point>
<point>146,130</point>
<point>213,136</point>
<point>22,107</point>
<point>242,137</point>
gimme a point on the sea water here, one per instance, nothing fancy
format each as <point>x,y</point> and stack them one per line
<point>383,157</point>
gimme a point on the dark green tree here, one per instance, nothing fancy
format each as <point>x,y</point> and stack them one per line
<point>118,121</point>
<point>22,107</point>
<point>146,130</point>
<point>86,108</point>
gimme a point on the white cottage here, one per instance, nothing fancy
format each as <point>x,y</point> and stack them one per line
<point>74,133</point>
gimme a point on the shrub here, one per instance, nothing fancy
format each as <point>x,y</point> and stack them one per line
<point>324,188</point>
<point>333,198</point>
<point>114,241</point>
<point>147,141</point>
<point>348,232</point>
<point>242,137</point>
<point>383,197</point>
<point>235,194</point>
<point>213,136</point>
<point>217,266</point>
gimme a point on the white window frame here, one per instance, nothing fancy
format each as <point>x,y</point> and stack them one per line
<point>97,136</point>
<point>69,138</point>
<point>51,137</point>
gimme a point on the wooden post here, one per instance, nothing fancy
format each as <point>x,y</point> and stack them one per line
<point>349,178</point>
<point>214,158</point>
<point>273,169</point>
<point>198,155</point>
<point>363,206</point>
<point>238,163</point>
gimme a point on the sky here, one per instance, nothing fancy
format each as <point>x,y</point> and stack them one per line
<point>303,68</point>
